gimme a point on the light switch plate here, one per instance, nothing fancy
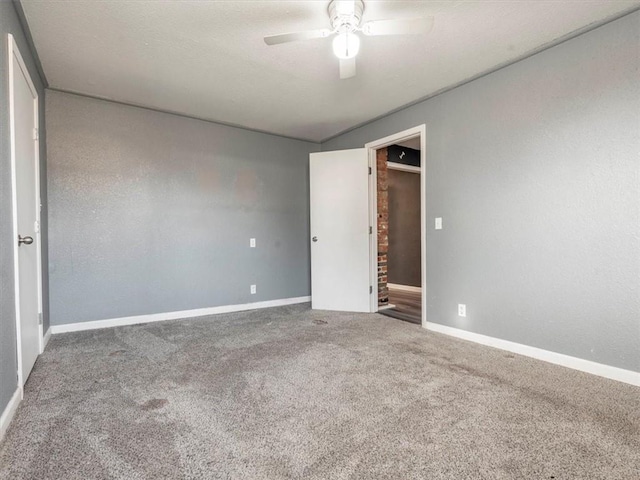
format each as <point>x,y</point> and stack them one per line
<point>438,223</point>
<point>252,242</point>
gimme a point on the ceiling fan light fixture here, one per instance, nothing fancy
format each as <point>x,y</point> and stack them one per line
<point>346,45</point>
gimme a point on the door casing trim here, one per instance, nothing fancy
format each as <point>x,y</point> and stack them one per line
<point>421,131</point>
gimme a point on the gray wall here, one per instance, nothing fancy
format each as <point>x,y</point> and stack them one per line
<point>152,212</point>
<point>9,23</point>
<point>535,171</point>
<point>403,256</point>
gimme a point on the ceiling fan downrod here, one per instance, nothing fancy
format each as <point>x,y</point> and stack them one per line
<point>345,15</point>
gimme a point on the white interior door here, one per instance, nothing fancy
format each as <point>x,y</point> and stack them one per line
<point>339,183</point>
<point>24,115</point>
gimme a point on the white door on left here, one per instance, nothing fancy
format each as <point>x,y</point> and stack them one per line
<point>24,122</point>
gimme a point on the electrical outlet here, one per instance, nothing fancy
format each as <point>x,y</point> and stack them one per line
<point>462,310</point>
<point>438,223</point>
<point>253,289</point>
<point>252,242</point>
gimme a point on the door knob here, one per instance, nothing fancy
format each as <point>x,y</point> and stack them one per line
<point>25,240</point>
<point>315,239</point>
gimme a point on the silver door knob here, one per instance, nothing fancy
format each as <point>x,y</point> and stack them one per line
<point>25,240</point>
<point>315,239</point>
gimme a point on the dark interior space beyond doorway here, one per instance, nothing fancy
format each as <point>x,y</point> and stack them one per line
<point>403,254</point>
<point>399,211</point>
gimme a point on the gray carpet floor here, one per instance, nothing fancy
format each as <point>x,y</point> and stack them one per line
<point>294,393</point>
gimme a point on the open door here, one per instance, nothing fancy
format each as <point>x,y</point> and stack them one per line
<point>26,211</point>
<point>339,183</point>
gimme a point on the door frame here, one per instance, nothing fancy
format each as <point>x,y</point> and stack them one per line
<point>372,147</point>
<point>14,52</point>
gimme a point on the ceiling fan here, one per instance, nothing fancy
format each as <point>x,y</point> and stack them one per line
<point>345,18</point>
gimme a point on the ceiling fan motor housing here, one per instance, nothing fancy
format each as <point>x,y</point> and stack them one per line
<point>345,15</point>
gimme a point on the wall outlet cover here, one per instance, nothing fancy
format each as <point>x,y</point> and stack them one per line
<point>253,289</point>
<point>462,310</point>
<point>438,223</point>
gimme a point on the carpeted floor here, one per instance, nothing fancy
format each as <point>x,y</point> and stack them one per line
<point>294,393</point>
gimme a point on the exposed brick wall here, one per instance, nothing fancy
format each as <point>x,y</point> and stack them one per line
<point>383,224</point>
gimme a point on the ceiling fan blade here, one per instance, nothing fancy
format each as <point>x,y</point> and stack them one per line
<point>347,68</point>
<point>405,26</point>
<point>296,36</point>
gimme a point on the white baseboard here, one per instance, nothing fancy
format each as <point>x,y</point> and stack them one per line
<point>9,412</point>
<point>160,317</point>
<point>406,288</point>
<point>613,373</point>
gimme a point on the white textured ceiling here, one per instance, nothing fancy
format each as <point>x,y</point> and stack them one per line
<point>207,59</point>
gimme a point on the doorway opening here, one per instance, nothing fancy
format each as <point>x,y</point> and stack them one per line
<point>398,245</point>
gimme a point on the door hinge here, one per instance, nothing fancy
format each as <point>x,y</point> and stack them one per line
<point>370,230</point>
<point>370,289</point>
<point>35,134</point>
<point>40,318</point>
<point>369,170</point>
